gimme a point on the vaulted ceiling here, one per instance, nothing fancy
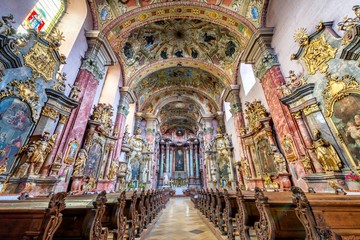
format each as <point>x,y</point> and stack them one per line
<point>178,57</point>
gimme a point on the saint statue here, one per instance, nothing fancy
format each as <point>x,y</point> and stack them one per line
<point>245,168</point>
<point>279,161</point>
<point>80,162</point>
<point>326,154</point>
<point>60,82</point>
<point>75,90</point>
<point>112,171</point>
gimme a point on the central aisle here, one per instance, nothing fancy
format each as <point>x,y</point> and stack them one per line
<point>180,221</point>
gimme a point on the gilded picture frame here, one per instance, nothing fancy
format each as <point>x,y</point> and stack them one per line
<point>342,111</point>
<point>288,148</point>
<point>71,152</point>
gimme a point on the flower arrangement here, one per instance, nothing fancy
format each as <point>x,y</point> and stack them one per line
<point>353,177</point>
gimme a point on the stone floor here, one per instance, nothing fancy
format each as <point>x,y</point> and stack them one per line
<point>180,221</point>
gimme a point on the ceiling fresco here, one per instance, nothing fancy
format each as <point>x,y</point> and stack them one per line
<point>180,38</point>
<point>179,77</point>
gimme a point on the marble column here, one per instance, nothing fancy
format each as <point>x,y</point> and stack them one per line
<point>171,160</point>
<point>126,97</point>
<point>167,158</point>
<point>161,162</point>
<point>197,172</point>
<point>191,160</point>
<point>187,161</point>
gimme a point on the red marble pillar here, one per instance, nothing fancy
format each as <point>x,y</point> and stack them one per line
<point>75,127</point>
<point>120,126</point>
<point>283,121</point>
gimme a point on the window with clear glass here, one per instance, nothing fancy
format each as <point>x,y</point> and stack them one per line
<point>247,77</point>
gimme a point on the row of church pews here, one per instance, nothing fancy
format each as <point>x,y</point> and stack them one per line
<point>281,215</point>
<point>123,215</point>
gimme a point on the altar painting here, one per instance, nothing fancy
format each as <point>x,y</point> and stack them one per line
<point>95,154</point>
<point>265,156</point>
<point>15,125</point>
<point>346,118</point>
<point>179,160</point>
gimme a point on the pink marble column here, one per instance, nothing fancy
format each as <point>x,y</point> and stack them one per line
<point>75,127</point>
<point>120,125</point>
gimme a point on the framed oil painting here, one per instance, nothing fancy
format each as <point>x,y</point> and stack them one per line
<point>15,125</point>
<point>179,160</point>
<point>94,159</point>
<point>346,120</point>
<point>265,156</point>
<point>288,148</point>
<point>71,152</point>
<point>342,110</point>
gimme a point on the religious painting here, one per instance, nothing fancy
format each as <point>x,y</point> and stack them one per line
<point>179,160</point>
<point>71,152</point>
<point>289,149</point>
<point>346,119</point>
<point>95,155</point>
<point>265,156</point>
<point>15,125</point>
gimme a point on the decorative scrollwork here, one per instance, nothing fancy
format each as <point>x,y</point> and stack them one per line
<point>254,112</point>
<point>263,228</point>
<point>348,25</point>
<point>99,205</point>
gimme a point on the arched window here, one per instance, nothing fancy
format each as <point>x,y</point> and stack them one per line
<point>247,77</point>
<point>43,16</point>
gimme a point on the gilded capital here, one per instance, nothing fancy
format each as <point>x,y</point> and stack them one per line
<point>50,112</point>
<point>63,119</point>
<point>311,109</point>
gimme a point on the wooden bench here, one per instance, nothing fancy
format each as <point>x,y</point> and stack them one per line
<point>328,216</point>
<point>248,214</point>
<point>219,209</point>
<point>278,219</point>
<point>31,219</point>
<point>82,218</point>
<point>230,213</point>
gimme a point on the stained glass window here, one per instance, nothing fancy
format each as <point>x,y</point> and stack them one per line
<point>43,16</point>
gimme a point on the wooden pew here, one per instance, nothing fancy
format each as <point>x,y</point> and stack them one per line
<point>248,214</point>
<point>114,218</point>
<point>131,214</point>
<point>278,219</point>
<point>229,213</point>
<point>82,218</point>
<point>31,219</point>
<point>328,216</point>
<point>213,207</point>
<point>220,205</point>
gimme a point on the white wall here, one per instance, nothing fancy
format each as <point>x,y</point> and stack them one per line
<point>287,16</point>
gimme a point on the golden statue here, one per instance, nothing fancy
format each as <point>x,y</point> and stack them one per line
<point>279,161</point>
<point>267,181</point>
<point>112,171</point>
<point>326,154</point>
<point>245,168</point>
<point>80,162</point>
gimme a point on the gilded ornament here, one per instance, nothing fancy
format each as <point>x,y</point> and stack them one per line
<point>311,109</point>
<point>75,90</point>
<point>317,53</point>
<point>336,89</point>
<point>56,38</point>
<point>50,112</point>
<point>103,113</point>
<point>63,119</point>
<point>254,112</point>
<point>301,37</point>
<point>297,115</point>
<point>348,26</point>
<point>320,26</point>
<point>41,60</point>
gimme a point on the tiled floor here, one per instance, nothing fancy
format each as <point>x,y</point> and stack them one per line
<point>180,221</point>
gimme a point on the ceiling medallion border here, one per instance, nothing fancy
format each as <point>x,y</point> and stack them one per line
<point>155,12</point>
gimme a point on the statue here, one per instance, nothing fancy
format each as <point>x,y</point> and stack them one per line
<point>228,140</point>
<point>326,154</point>
<point>166,179</point>
<point>245,168</point>
<point>125,138</point>
<point>112,171</point>
<point>60,82</point>
<point>279,161</point>
<point>267,181</point>
<point>75,90</point>
<point>80,162</point>
<point>138,146</point>
<point>6,27</point>
<point>36,153</point>
<point>90,184</point>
